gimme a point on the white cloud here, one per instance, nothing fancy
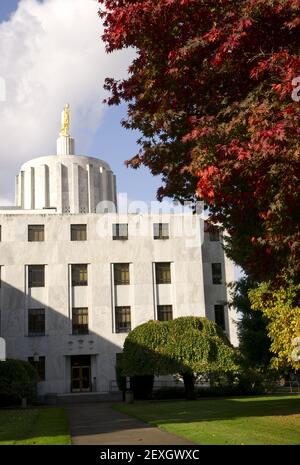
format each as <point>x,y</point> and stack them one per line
<point>51,53</point>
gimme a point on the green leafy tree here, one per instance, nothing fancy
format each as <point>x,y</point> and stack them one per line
<point>188,346</point>
<point>280,304</point>
<point>254,343</point>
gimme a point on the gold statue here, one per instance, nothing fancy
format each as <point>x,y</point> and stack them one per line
<point>65,121</point>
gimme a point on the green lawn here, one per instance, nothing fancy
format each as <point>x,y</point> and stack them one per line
<point>34,426</point>
<point>241,420</point>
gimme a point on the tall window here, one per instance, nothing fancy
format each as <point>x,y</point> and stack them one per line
<point>161,231</point>
<point>120,231</point>
<point>36,276</point>
<point>39,365</point>
<point>121,273</point>
<point>36,233</point>
<point>163,273</point>
<point>216,273</point>
<point>80,321</point>
<point>123,319</point>
<point>164,312</point>
<point>78,232</point>
<point>36,322</point>
<point>79,275</point>
<point>220,316</point>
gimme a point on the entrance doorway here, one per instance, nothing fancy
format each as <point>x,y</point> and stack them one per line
<point>80,373</point>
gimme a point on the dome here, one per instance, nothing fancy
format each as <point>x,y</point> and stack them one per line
<point>66,182</point>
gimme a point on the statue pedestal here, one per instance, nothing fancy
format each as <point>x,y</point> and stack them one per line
<point>65,146</point>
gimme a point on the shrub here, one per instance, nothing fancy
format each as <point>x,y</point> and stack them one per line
<point>18,379</point>
<point>187,346</point>
<point>120,378</point>
<point>251,381</point>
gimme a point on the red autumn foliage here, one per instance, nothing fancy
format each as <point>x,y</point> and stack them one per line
<point>210,90</point>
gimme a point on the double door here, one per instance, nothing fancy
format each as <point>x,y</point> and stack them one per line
<point>81,374</point>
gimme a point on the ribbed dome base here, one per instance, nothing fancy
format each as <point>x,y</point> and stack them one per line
<point>69,183</point>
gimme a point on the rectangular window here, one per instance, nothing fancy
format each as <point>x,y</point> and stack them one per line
<point>216,273</point>
<point>78,232</point>
<point>120,231</point>
<point>79,275</point>
<point>163,273</point>
<point>220,316</point>
<point>161,231</point>
<point>121,273</point>
<point>164,312</point>
<point>39,365</point>
<point>36,233</point>
<point>123,319</point>
<point>80,321</point>
<point>36,322</point>
<point>36,276</point>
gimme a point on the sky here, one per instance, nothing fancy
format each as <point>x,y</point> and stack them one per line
<point>51,53</point>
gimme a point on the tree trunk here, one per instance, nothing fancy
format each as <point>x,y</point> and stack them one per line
<point>189,385</point>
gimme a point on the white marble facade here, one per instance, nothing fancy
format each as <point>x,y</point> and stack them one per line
<point>37,321</point>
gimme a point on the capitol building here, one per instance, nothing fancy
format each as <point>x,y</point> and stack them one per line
<point>77,275</point>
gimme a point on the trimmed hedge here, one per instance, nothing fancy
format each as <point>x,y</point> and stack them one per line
<point>18,380</point>
<point>187,346</point>
<point>184,345</point>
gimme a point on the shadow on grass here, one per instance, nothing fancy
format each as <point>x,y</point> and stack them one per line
<point>230,421</point>
<point>34,426</point>
<point>212,409</point>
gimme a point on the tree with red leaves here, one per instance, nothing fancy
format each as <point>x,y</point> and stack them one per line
<point>211,90</point>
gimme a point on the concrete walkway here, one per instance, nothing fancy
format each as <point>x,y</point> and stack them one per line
<point>98,423</point>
